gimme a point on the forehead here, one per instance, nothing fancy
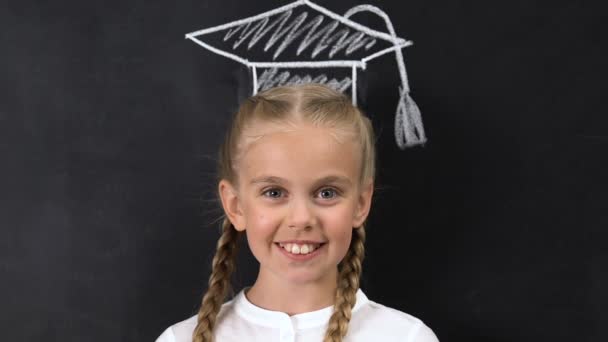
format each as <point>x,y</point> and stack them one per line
<point>299,153</point>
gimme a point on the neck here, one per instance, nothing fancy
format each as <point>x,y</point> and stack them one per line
<point>272,293</point>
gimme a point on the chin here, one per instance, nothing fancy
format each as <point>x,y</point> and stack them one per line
<point>303,277</point>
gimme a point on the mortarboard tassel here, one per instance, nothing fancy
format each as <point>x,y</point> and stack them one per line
<point>409,130</point>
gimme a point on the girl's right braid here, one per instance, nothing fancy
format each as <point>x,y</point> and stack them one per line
<point>219,283</point>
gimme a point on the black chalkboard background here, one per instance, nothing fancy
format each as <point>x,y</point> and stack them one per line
<point>110,121</point>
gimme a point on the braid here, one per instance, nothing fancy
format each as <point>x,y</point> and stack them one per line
<point>219,283</point>
<point>348,284</point>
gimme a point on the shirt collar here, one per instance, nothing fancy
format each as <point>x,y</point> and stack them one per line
<point>270,318</point>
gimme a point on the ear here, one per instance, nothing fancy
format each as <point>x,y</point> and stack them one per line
<point>231,204</point>
<point>364,202</point>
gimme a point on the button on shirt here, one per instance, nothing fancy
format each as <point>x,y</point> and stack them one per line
<point>240,320</point>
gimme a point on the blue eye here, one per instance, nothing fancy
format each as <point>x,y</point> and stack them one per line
<point>326,193</point>
<point>274,190</point>
<point>331,190</point>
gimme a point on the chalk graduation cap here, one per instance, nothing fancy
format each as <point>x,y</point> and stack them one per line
<point>278,45</point>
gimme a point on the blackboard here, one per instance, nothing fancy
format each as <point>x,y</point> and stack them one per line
<point>494,230</point>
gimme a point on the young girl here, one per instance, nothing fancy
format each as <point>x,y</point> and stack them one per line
<point>296,176</point>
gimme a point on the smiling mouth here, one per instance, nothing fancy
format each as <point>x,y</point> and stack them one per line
<point>298,249</point>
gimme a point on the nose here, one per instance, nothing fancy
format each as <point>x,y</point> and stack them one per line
<point>301,214</point>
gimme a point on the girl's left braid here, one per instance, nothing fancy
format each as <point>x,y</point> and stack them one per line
<point>348,284</point>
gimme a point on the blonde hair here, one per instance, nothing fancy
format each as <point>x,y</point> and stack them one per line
<point>318,105</point>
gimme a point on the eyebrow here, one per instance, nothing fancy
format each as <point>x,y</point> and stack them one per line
<point>279,180</point>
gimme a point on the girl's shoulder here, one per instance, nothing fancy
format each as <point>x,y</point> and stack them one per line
<point>376,321</point>
<point>371,321</point>
<point>182,331</point>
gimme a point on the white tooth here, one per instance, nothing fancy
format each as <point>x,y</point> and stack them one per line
<point>287,247</point>
<point>295,249</point>
<point>304,249</point>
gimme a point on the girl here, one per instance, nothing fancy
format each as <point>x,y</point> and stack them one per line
<point>296,176</point>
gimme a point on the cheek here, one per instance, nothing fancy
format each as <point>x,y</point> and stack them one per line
<point>257,249</point>
<point>339,218</point>
<point>341,245</point>
<point>259,216</point>
<point>265,222</point>
<point>262,225</point>
<point>339,229</point>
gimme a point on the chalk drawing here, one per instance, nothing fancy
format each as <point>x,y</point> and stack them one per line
<point>271,78</point>
<point>320,39</point>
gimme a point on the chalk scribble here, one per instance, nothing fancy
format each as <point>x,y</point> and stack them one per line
<point>292,38</point>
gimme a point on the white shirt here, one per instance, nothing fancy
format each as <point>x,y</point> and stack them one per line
<point>240,320</point>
